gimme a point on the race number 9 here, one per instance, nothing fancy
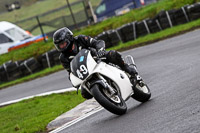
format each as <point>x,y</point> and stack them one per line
<point>83,70</point>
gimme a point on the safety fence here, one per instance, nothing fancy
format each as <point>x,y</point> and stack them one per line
<point>131,31</point>
<point>74,16</point>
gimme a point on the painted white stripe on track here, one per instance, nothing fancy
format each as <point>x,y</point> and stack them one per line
<point>57,130</point>
<point>42,94</point>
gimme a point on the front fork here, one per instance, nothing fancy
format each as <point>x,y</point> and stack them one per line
<point>110,89</point>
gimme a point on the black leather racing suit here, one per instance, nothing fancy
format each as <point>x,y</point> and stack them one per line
<point>86,42</point>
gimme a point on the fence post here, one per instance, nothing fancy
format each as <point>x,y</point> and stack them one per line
<point>41,29</point>
<point>86,12</point>
<point>63,18</point>
<point>92,12</point>
<point>72,14</point>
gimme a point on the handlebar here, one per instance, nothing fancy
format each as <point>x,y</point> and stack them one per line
<point>98,60</point>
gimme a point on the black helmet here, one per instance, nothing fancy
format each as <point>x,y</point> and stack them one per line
<point>63,39</point>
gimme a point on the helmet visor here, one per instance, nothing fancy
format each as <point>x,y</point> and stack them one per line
<point>64,45</point>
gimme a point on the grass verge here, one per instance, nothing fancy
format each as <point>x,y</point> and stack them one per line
<point>176,30</point>
<point>33,115</point>
<point>33,50</point>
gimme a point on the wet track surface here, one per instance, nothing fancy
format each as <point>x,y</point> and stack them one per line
<point>51,82</point>
<point>169,67</point>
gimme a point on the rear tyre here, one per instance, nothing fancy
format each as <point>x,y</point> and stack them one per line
<point>141,94</point>
<point>115,104</point>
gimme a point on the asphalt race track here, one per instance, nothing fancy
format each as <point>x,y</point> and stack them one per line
<point>169,67</point>
<point>51,82</point>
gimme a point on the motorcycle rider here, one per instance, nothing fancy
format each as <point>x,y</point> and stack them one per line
<point>69,46</point>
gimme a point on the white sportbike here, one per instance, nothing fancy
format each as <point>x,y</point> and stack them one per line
<point>109,85</point>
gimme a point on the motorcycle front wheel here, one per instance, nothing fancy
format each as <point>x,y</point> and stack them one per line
<point>113,103</point>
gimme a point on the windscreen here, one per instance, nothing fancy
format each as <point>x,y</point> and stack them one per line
<point>79,64</point>
<point>17,34</point>
<point>4,39</point>
<point>101,8</point>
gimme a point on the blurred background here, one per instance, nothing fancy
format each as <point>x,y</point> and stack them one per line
<point>120,23</point>
<point>32,15</point>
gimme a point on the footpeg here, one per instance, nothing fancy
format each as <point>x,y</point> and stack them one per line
<point>138,78</point>
<point>140,81</point>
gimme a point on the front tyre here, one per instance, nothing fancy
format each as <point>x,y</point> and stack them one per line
<point>85,94</point>
<point>114,104</point>
<point>141,94</point>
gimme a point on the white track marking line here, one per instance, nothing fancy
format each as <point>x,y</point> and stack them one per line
<point>42,94</point>
<point>76,120</point>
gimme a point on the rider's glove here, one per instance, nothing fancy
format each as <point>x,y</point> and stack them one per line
<point>101,52</point>
<point>93,51</point>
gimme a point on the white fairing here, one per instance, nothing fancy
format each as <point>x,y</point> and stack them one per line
<point>91,63</point>
<point>118,76</point>
<point>75,80</point>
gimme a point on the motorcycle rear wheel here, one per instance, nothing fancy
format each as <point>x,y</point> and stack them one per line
<point>141,94</point>
<point>115,105</point>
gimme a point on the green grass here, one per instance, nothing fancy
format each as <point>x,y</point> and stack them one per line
<point>33,50</point>
<point>34,114</point>
<point>33,10</point>
<point>36,9</point>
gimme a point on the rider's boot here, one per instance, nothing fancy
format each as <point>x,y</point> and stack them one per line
<point>130,67</point>
<point>134,76</point>
<point>132,71</point>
